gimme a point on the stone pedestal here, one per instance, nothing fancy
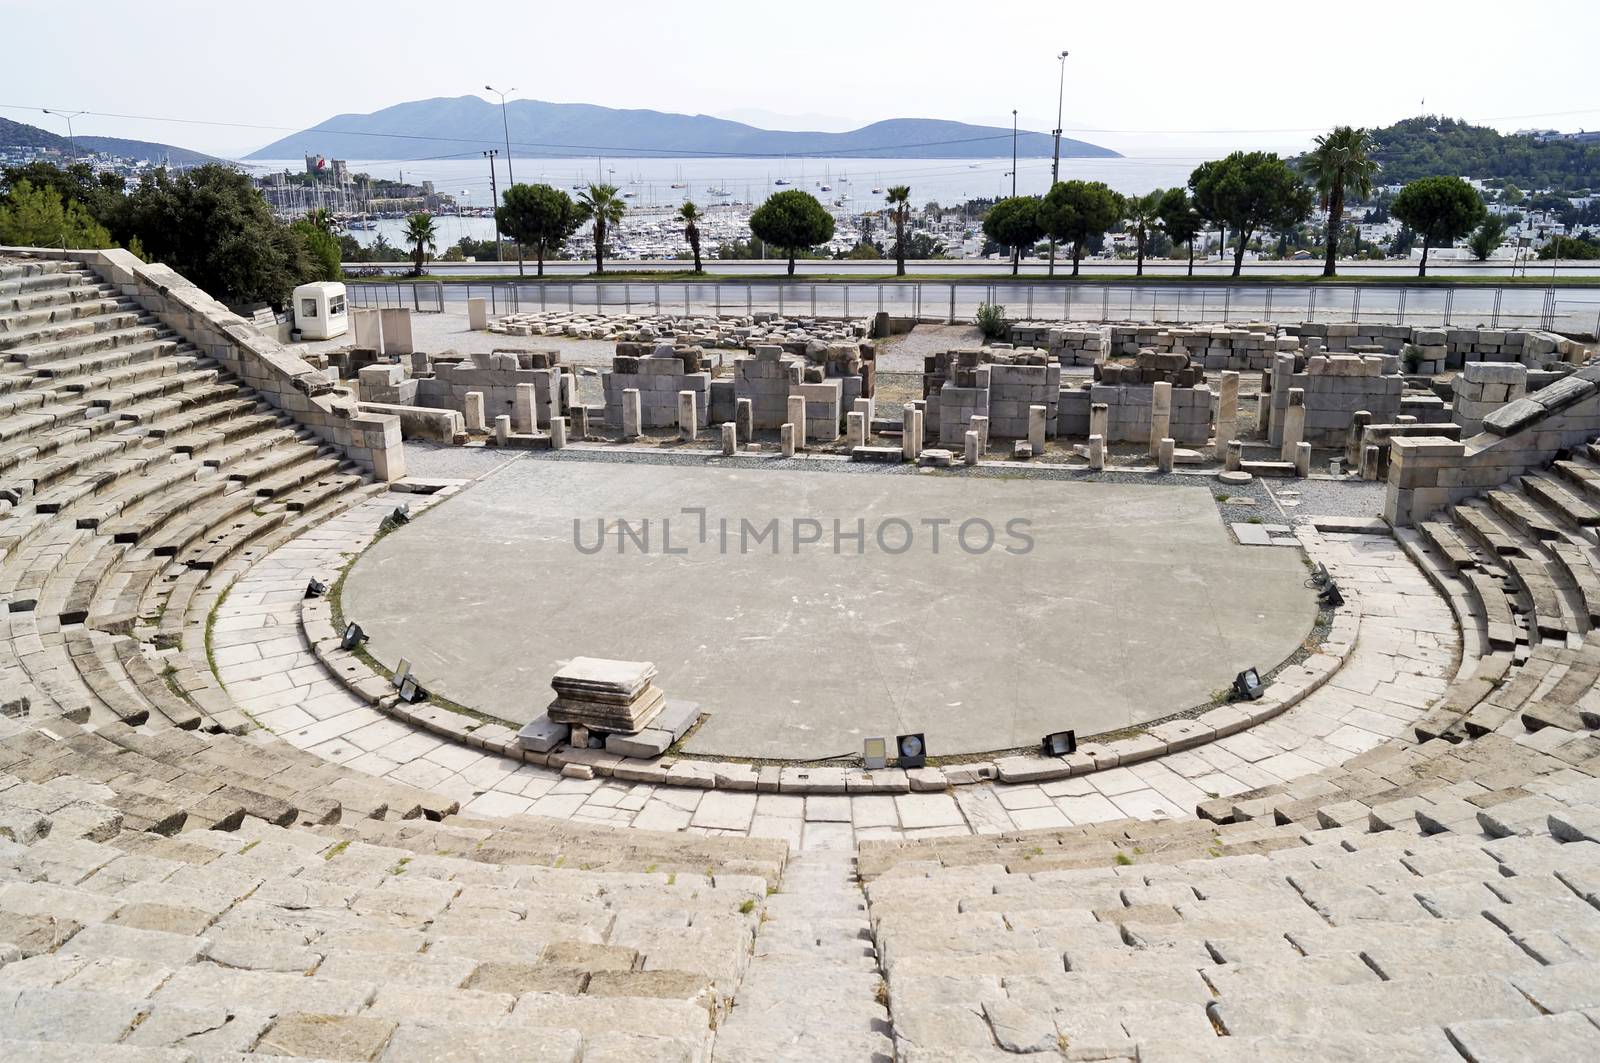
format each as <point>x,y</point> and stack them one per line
<point>855,429</point>
<point>558,433</point>
<point>1097,452</point>
<point>918,429</point>
<point>580,422</point>
<point>688,417</point>
<point>973,444</point>
<point>502,429</point>
<point>1164,455</point>
<point>1036,430</point>
<point>1235,459</point>
<point>631,414</point>
<point>1302,460</point>
<point>730,439</point>
<point>472,411</point>
<point>1294,424</point>
<point>1160,414</point>
<point>786,436</point>
<point>1100,420</point>
<point>477,313</point>
<point>908,428</point>
<point>744,418</point>
<point>797,417</point>
<point>526,420</point>
<point>980,424</point>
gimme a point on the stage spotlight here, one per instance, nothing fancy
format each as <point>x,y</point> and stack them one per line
<point>1329,595</point>
<point>401,671</point>
<point>1247,685</point>
<point>1319,574</point>
<point>1060,743</point>
<point>410,692</point>
<point>913,751</point>
<point>401,514</point>
<point>875,754</point>
<point>353,636</point>
<point>316,589</point>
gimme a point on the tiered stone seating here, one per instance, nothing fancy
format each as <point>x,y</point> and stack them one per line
<point>132,469</point>
<point>214,895</point>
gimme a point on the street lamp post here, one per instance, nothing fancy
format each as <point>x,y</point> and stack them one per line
<point>494,198</point>
<point>1013,153</point>
<point>511,178</point>
<point>1055,165</point>
<point>69,116</point>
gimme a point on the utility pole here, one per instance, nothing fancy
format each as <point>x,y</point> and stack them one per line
<point>1013,153</point>
<point>511,178</point>
<point>494,195</point>
<point>69,116</point>
<point>1055,165</point>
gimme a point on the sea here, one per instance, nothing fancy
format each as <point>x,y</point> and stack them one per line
<point>659,185</point>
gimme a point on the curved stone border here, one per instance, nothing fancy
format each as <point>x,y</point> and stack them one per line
<point>1292,684</point>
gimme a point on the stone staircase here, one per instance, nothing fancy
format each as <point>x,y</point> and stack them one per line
<point>133,471</point>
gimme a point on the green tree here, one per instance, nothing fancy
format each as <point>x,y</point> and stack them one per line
<point>1014,223</point>
<point>38,217</point>
<point>1180,220</point>
<point>211,225</point>
<point>1079,212</point>
<point>102,193</point>
<point>899,199</point>
<point>322,250</point>
<point>1143,215</point>
<point>602,205</point>
<point>1488,236</point>
<point>320,219</point>
<point>1442,209</point>
<point>1510,194</point>
<point>1340,166</point>
<point>1248,192</point>
<point>1570,247</point>
<point>689,214</point>
<point>537,216</point>
<point>423,237</point>
<point>792,221</point>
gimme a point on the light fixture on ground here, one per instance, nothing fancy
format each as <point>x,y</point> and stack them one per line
<point>316,589</point>
<point>401,671</point>
<point>912,751</point>
<point>875,754</point>
<point>411,692</point>
<point>1060,743</point>
<point>401,515</point>
<point>353,636</point>
<point>1329,597</point>
<point>1247,685</point>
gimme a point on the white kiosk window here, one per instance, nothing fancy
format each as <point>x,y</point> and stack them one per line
<point>336,307</point>
<point>308,308</point>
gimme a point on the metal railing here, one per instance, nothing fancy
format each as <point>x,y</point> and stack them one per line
<point>1569,310</point>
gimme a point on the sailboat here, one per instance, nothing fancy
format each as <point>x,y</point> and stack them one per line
<point>678,183</point>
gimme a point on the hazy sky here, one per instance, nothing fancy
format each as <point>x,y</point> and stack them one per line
<point>1145,77</point>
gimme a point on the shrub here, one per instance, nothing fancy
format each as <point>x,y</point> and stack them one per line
<point>1411,355</point>
<point>991,321</point>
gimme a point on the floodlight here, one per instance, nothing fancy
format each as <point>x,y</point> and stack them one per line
<point>401,514</point>
<point>1319,574</point>
<point>353,636</point>
<point>1247,685</point>
<point>411,692</point>
<point>1329,596</point>
<point>316,589</point>
<point>401,671</point>
<point>1060,743</point>
<point>875,753</point>
<point>913,751</point>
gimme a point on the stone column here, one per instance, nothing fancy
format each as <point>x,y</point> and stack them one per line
<point>1160,415</point>
<point>868,408</point>
<point>1100,420</point>
<point>477,314</point>
<point>1036,430</point>
<point>502,429</point>
<point>1235,459</point>
<point>1097,452</point>
<point>630,414</point>
<point>558,433</point>
<point>1164,455</point>
<point>688,417</point>
<point>1264,402</point>
<point>1294,424</point>
<point>918,432</point>
<point>472,411</point>
<point>797,417</point>
<point>744,418</point>
<point>580,422</point>
<point>980,425</point>
<point>1302,460</point>
<point>908,430</point>
<point>525,419</point>
<point>786,439</point>
<point>973,443</point>
<point>1369,461</point>
<point>856,429</point>
<point>569,394</point>
<point>730,439</point>
<point>1228,409</point>
<point>1358,429</point>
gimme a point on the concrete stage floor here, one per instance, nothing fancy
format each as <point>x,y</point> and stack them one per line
<point>1133,602</point>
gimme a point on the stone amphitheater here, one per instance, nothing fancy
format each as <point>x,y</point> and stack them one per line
<point>224,836</point>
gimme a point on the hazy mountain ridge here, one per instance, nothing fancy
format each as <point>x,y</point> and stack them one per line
<point>457,126</point>
<point>22,135</point>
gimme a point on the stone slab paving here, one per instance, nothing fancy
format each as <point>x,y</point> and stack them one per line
<point>1407,649</point>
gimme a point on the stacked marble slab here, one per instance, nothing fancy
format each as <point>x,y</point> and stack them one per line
<point>617,697</point>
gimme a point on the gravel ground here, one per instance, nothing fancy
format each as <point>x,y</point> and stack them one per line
<point>904,353</point>
<point>1320,497</point>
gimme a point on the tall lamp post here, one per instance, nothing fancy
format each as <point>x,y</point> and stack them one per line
<point>511,179</point>
<point>69,116</point>
<point>1013,153</point>
<point>1055,165</point>
<point>494,198</point>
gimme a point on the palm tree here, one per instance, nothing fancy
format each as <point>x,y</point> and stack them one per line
<point>422,237</point>
<point>1339,166</point>
<point>689,214</point>
<point>1143,215</point>
<point>321,219</point>
<point>602,205</point>
<point>899,197</point>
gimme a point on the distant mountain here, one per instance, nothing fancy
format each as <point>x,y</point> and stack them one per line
<point>431,128</point>
<point>22,135</point>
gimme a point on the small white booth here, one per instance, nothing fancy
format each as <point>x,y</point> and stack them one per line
<point>319,311</point>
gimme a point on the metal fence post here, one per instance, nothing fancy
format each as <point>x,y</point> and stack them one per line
<point>847,302</point>
<point>570,297</point>
<point>1266,313</point>
<point>952,318</point>
<point>1105,304</point>
<point>813,300</point>
<point>1355,304</point>
<point>1311,304</point>
<point>658,299</point>
<point>749,300</point>
<point>1494,320</point>
<point>1400,311</point>
<point>1030,302</point>
<point>1449,304</point>
<point>780,299</point>
<point>1227,301</point>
